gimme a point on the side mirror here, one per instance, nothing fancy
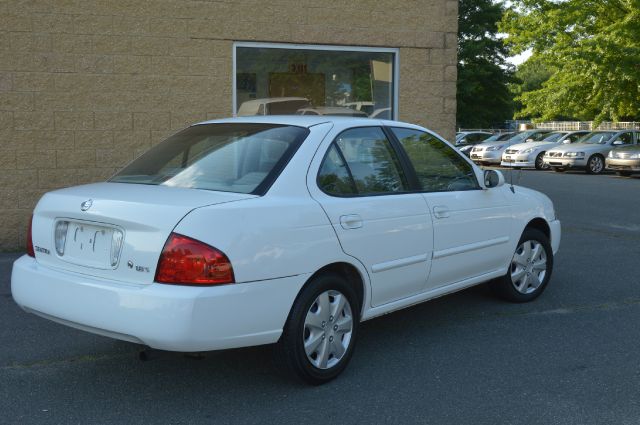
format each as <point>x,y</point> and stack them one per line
<point>566,142</point>
<point>618,142</point>
<point>493,178</point>
<point>528,140</point>
<point>462,142</point>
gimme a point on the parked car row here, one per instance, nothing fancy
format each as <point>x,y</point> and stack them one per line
<point>616,150</point>
<point>592,151</point>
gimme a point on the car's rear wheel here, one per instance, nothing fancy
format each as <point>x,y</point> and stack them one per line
<point>623,173</point>
<point>318,339</point>
<point>540,165</point>
<point>529,271</point>
<point>595,164</point>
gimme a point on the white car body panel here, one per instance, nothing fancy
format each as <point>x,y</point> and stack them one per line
<point>472,231</point>
<point>434,244</point>
<point>142,211</point>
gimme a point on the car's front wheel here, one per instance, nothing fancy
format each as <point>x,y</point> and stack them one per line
<point>318,339</point>
<point>540,165</point>
<point>595,165</point>
<point>530,269</point>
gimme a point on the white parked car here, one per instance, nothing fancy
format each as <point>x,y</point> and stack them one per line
<point>531,154</point>
<point>490,153</point>
<point>288,230</point>
<point>590,151</point>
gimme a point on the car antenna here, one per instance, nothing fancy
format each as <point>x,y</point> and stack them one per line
<point>513,189</point>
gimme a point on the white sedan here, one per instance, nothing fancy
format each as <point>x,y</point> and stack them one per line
<point>288,230</point>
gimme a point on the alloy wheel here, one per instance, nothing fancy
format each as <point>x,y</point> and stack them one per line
<point>596,165</point>
<point>528,267</point>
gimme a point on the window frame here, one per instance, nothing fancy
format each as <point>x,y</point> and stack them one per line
<point>395,71</point>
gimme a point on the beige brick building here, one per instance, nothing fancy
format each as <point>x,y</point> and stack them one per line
<point>86,85</point>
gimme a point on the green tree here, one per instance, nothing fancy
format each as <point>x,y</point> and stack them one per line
<point>483,95</point>
<point>529,76</point>
<point>594,45</point>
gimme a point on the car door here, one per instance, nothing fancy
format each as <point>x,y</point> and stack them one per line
<point>471,225</point>
<point>363,188</point>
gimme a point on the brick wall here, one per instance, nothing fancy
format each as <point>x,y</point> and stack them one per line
<point>87,85</point>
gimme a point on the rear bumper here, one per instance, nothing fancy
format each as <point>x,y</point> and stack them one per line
<point>167,317</point>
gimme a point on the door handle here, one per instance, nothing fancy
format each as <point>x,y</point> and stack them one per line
<point>351,221</point>
<point>440,211</point>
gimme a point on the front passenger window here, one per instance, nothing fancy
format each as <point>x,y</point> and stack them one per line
<point>439,168</point>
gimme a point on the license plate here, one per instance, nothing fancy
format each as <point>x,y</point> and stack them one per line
<point>90,244</point>
<point>475,156</point>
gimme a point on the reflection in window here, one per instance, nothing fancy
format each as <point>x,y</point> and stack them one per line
<point>278,81</point>
<point>224,157</point>
<point>334,178</point>
<point>438,166</point>
<point>371,160</point>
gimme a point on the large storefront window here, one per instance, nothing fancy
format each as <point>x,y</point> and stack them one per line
<point>276,79</point>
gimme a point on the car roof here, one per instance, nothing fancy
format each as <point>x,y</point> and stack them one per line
<point>310,120</point>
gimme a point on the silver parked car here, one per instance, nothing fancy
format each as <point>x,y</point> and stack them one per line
<point>531,154</point>
<point>624,160</point>
<point>589,152</point>
<point>471,137</point>
<point>491,152</point>
<point>466,149</point>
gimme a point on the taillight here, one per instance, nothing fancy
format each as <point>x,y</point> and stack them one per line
<point>30,251</point>
<point>186,261</point>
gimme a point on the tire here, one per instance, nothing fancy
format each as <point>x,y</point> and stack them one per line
<point>539,163</point>
<point>623,173</point>
<point>529,271</point>
<point>308,324</point>
<point>558,169</point>
<point>595,164</point>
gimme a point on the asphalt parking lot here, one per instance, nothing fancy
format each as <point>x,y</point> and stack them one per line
<point>570,357</point>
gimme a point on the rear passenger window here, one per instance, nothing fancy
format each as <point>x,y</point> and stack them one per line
<point>372,166</point>
<point>439,167</point>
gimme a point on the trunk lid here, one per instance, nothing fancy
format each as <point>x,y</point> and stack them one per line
<point>114,231</point>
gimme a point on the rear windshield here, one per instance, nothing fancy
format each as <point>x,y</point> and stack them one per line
<point>242,158</point>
